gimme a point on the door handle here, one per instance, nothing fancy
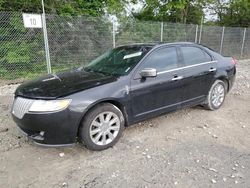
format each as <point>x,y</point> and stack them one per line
<point>177,78</point>
<point>212,69</point>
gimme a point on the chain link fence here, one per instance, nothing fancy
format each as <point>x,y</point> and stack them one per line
<point>22,52</point>
<point>75,41</point>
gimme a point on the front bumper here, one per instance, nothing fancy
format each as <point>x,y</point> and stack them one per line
<point>52,129</point>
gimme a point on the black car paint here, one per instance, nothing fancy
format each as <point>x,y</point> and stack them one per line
<point>62,84</point>
<point>138,98</point>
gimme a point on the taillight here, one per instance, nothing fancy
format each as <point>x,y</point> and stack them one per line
<point>234,61</point>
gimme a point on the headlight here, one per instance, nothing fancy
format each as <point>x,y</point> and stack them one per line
<point>49,105</point>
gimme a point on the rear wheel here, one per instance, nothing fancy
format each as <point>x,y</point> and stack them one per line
<point>102,127</point>
<point>216,95</point>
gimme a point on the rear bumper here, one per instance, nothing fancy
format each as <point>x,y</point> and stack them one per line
<point>51,129</point>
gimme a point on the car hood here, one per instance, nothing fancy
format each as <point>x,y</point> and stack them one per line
<point>53,86</point>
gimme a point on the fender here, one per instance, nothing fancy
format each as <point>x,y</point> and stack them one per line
<point>114,101</point>
<point>222,75</point>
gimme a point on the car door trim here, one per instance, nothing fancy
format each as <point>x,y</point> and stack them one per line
<point>189,66</point>
<point>168,106</point>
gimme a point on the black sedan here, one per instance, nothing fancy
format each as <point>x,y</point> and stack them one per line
<point>123,86</point>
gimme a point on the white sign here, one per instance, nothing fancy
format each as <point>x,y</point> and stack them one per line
<point>32,20</point>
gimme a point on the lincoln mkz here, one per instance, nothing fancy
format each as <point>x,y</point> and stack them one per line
<point>128,84</point>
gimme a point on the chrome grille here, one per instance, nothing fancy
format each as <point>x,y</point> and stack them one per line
<point>21,106</point>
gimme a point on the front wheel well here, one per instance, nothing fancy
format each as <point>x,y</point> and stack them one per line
<point>121,108</point>
<point>115,103</point>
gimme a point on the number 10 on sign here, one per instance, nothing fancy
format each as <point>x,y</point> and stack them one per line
<point>32,20</point>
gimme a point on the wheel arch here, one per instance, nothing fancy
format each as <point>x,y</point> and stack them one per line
<point>116,103</point>
<point>225,80</point>
<point>223,76</point>
<point>121,107</point>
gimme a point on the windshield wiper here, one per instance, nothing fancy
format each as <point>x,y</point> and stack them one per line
<point>97,71</point>
<point>105,73</point>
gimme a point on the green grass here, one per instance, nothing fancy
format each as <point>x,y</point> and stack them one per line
<point>31,72</point>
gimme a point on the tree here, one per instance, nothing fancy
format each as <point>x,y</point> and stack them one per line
<point>66,7</point>
<point>237,14</point>
<point>231,12</point>
<point>183,11</point>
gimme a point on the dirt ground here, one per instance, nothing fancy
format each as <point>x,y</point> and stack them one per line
<point>188,148</point>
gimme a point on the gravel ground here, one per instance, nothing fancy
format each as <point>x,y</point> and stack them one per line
<point>188,148</point>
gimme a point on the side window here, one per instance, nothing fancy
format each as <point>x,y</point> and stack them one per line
<point>193,55</point>
<point>162,59</point>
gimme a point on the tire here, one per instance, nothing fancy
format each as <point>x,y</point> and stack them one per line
<point>102,127</point>
<point>217,89</point>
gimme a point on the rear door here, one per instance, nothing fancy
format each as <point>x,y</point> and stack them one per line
<point>199,70</point>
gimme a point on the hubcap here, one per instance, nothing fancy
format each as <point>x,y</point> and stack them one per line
<point>218,95</point>
<point>104,128</point>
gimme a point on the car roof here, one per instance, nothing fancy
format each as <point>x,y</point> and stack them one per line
<point>138,45</point>
<point>155,44</point>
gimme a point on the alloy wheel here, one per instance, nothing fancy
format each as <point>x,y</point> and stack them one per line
<point>104,128</point>
<point>218,95</point>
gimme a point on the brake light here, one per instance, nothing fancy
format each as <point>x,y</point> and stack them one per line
<point>234,61</point>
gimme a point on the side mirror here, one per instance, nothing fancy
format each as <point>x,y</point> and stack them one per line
<point>148,72</point>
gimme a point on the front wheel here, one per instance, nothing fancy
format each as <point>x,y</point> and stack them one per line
<point>216,95</point>
<point>102,127</point>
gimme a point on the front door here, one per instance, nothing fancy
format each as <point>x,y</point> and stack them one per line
<point>154,95</point>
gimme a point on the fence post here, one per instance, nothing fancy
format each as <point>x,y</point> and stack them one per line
<point>243,43</point>
<point>222,39</point>
<point>113,32</point>
<point>161,31</point>
<point>196,34</point>
<point>201,27</point>
<point>46,43</point>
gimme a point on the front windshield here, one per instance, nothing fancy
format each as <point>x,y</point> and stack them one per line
<point>118,61</point>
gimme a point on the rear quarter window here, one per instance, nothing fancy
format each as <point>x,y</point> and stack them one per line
<point>194,55</point>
